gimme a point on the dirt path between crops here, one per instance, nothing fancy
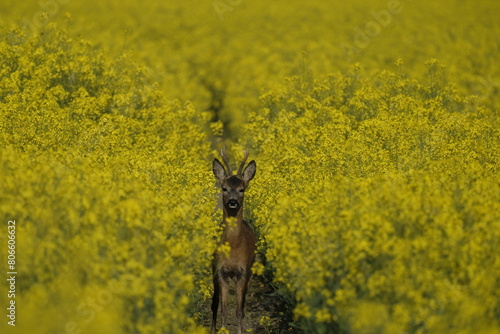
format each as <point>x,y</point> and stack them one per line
<point>265,310</point>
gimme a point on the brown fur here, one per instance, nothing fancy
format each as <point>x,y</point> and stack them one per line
<point>235,266</point>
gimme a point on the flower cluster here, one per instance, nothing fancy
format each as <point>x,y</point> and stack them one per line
<point>378,203</point>
<point>111,188</point>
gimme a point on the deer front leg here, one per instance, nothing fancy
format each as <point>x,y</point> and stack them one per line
<point>215,303</point>
<point>241,291</point>
<point>224,295</point>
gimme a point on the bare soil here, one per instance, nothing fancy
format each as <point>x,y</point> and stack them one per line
<point>265,310</point>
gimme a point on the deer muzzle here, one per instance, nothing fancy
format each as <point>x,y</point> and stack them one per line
<point>232,204</point>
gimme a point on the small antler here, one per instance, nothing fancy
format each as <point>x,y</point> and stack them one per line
<point>240,170</point>
<point>224,158</point>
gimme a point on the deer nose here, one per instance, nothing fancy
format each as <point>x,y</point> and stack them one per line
<point>232,203</point>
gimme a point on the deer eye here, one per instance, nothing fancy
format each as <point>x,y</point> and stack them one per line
<point>224,189</point>
<point>242,190</point>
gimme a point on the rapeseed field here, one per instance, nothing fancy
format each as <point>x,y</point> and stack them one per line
<point>374,125</point>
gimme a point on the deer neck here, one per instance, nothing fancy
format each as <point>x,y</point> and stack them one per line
<point>231,223</point>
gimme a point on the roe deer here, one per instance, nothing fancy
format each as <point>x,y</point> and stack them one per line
<point>235,265</point>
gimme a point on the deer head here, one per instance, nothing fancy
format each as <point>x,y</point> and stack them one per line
<point>233,186</point>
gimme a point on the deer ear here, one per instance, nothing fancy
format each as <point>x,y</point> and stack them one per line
<point>219,171</point>
<point>249,171</point>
